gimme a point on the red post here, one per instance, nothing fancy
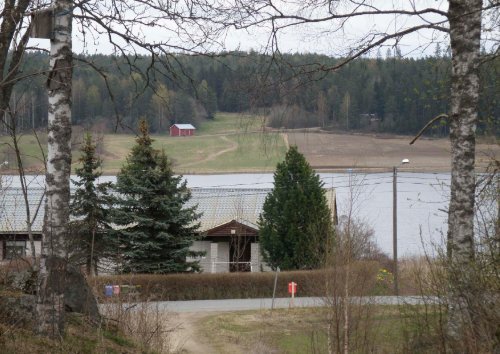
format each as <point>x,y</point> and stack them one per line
<point>292,289</point>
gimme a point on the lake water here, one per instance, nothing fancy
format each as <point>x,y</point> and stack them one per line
<point>422,202</point>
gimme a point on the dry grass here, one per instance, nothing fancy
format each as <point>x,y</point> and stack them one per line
<point>414,274</point>
<point>81,337</point>
<point>295,331</point>
<point>144,323</point>
<point>139,331</point>
<point>381,152</point>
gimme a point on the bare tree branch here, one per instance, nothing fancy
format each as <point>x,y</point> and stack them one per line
<point>432,121</point>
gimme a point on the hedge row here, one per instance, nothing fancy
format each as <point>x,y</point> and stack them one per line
<point>169,287</point>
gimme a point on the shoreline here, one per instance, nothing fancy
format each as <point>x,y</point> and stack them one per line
<point>317,169</point>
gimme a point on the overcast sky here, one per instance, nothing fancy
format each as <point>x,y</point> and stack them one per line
<point>312,38</point>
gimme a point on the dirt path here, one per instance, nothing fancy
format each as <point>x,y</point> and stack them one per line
<point>185,338</point>
<point>285,139</point>
<point>233,147</point>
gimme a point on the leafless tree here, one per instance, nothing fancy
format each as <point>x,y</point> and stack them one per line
<point>10,123</point>
<point>197,26</point>
<point>350,322</point>
<point>185,28</point>
<point>479,332</point>
<point>239,243</point>
<point>462,22</point>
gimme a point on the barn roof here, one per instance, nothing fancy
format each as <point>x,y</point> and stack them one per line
<point>217,206</point>
<point>184,126</point>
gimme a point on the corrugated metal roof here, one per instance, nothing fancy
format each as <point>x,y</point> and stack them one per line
<point>217,206</point>
<point>184,126</point>
<point>13,210</point>
<point>221,205</point>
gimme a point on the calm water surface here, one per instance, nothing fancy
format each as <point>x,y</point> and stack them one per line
<point>422,202</point>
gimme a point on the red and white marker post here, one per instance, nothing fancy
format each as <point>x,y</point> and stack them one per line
<point>292,289</point>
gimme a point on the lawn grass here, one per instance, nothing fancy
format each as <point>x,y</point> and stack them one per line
<point>303,330</point>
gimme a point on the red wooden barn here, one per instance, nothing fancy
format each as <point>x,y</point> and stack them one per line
<point>182,130</point>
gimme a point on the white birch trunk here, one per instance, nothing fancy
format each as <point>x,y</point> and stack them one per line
<point>465,33</point>
<point>50,301</point>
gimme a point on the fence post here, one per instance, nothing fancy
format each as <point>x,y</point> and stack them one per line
<point>274,290</point>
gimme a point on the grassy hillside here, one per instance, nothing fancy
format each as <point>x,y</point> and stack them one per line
<point>229,143</point>
<point>239,143</point>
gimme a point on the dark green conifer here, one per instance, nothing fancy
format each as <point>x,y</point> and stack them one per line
<point>296,227</point>
<point>90,207</point>
<point>157,228</point>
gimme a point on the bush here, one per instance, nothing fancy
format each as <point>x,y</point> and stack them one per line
<point>170,287</point>
<point>16,273</point>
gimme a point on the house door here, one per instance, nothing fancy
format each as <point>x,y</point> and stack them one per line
<point>240,254</point>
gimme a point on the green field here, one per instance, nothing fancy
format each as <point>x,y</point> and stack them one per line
<point>226,123</point>
<point>229,143</point>
<point>380,329</point>
<point>31,155</point>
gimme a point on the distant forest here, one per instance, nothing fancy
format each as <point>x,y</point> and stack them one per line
<point>391,94</point>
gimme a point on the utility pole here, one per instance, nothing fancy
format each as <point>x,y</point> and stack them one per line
<point>395,227</point>
<point>33,112</point>
<point>274,289</point>
<point>348,104</point>
<point>497,228</point>
<point>395,223</point>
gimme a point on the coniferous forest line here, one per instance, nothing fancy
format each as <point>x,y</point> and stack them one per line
<point>391,94</point>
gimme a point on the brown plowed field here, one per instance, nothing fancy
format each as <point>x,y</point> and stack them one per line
<point>379,152</point>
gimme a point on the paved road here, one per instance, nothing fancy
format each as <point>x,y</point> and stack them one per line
<point>259,304</point>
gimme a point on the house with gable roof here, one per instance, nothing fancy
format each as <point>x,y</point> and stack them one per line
<point>229,227</point>
<point>13,227</point>
<point>229,232</point>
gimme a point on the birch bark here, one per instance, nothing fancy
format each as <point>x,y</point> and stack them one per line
<point>465,34</point>
<point>53,263</point>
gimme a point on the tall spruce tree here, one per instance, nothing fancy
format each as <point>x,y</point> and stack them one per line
<point>90,207</point>
<point>157,227</point>
<point>296,226</point>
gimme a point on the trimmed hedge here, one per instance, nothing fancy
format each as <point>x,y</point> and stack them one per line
<point>169,287</point>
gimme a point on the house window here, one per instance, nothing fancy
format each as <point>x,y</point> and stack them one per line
<point>14,249</point>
